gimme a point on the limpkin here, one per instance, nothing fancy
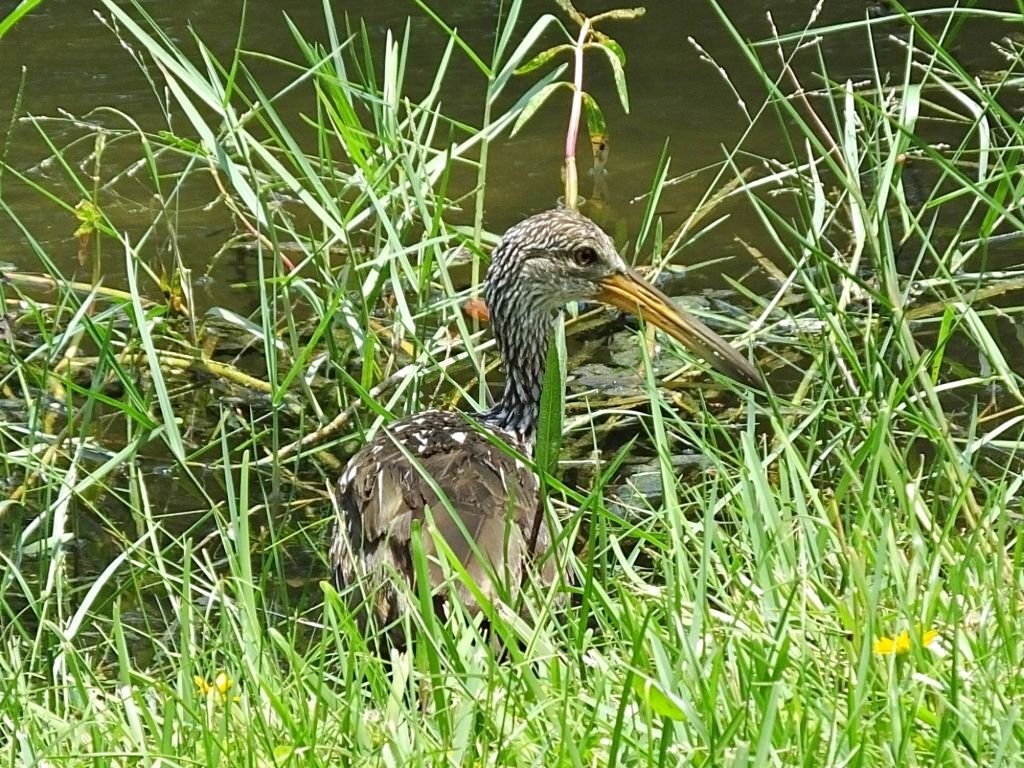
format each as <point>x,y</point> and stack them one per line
<point>540,264</point>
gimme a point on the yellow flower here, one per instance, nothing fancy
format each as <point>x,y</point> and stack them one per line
<point>889,646</point>
<point>218,689</point>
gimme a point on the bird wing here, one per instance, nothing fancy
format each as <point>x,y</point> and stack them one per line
<point>487,521</point>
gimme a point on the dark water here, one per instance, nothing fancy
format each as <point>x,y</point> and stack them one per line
<point>63,61</point>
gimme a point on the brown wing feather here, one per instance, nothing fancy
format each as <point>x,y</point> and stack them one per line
<point>382,492</point>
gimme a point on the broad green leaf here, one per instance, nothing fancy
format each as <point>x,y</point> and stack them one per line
<point>596,124</point>
<point>542,58</point>
<point>618,60</point>
<point>615,48</point>
<point>657,698</point>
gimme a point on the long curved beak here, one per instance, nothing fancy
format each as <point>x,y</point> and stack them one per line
<point>631,293</point>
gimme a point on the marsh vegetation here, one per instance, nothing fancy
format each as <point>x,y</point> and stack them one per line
<point>829,573</point>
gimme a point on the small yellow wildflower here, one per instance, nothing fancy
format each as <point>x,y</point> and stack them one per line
<point>889,646</point>
<point>218,689</point>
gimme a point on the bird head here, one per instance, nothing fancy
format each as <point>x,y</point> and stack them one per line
<point>552,258</point>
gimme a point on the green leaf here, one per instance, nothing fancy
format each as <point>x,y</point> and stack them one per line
<point>542,58</point>
<point>172,436</point>
<point>534,104</point>
<point>89,217</point>
<point>422,588</point>
<point>552,405</point>
<point>283,752</point>
<point>7,22</point>
<point>508,69</point>
<point>615,48</point>
<point>657,698</point>
<point>617,58</point>
<point>596,124</point>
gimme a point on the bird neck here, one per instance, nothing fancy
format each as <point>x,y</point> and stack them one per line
<point>523,344</point>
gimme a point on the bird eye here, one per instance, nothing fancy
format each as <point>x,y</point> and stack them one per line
<point>584,257</point>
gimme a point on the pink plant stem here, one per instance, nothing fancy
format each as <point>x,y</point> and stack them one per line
<point>571,181</point>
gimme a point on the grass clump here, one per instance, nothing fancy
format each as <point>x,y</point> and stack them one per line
<point>839,583</point>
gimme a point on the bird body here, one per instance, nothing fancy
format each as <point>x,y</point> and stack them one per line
<point>458,475</point>
<point>486,516</point>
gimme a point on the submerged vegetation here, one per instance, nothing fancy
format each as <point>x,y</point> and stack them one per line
<point>837,581</point>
